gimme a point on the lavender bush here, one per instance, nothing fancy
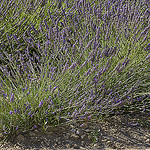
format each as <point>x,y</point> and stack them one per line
<point>66,61</point>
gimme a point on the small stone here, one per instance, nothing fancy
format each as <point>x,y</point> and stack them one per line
<point>17,147</point>
<point>20,138</point>
<point>68,146</point>
<point>83,143</point>
<point>74,136</point>
<point>79,132</point>
<point>73,130</point>
<point>72,126</point>
<point>36,132</point>
<point>148,140</point>
<point>32,134</point>
<point>76,146</point>
<point>1,135</point>
<point>59,142</point>
<point>40,130</point>
<point>88,130</point>
<point>34,140</point>
<point>84,136</point>
<point>123,131</point>
<point>66,136</point>
<point>58,139</point>
<point>112,139</point>
<point>96,145</point>
<point>50,130</point>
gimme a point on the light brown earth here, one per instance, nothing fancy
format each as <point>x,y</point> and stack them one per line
<point>117,132</point>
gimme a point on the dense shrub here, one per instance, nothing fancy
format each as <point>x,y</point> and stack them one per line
<point>65,61</point>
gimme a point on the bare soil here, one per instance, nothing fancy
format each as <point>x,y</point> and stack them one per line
<point>116,132</point>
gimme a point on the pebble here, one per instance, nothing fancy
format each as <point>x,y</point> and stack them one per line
<point>17,147</point>
<point>96,145</point>
<point>1,135</point>
<point>76,146</point>
<point>34,140</point>
<point>88,130</point>
<point>66,136</point>
<point>73,130</point>
<point>79,132</point>
<point>20,138</point>
<point>74,136</point>
<point>32,134</point>
<point>112,139</point>
<point>59,142</point>
<point>84,136</point>
<point>83,143</point>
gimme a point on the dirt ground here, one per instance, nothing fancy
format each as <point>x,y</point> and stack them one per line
<point>117,132</point>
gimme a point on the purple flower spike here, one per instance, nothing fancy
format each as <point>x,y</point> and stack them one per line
<point>12,98</point>
<point>41,103</point>
<point>15,110</point>
<point>29,113</point>
<point>11,112</point>
<point>17,128</point>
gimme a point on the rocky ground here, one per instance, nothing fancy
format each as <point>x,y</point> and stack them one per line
<point>117,132</point>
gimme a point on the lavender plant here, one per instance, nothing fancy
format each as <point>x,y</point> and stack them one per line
<point>67,61</point>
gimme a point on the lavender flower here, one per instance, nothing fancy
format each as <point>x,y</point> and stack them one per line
<point>12,98</point>
<point>88,41</point>
<point>17,127</point>
<point>41,103</point>
<point>11,112</point>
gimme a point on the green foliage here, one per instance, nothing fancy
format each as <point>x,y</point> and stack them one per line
<point>53,94</point>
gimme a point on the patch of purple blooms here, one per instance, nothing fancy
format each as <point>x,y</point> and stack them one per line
<point>72,60</point>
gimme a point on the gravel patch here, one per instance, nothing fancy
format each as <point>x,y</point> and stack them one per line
<point>116,132</point>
